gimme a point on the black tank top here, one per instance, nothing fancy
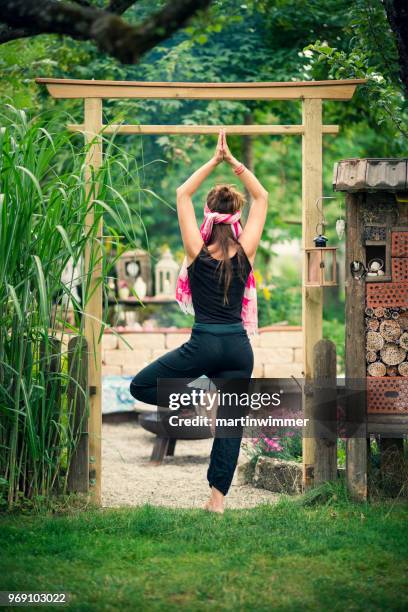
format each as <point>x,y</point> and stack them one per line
<point>207,289</point>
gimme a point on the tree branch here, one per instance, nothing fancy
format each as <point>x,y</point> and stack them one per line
<point>7,33</point>
<point>111,33</point>
<point>119,6</point>
<point>83,3</point>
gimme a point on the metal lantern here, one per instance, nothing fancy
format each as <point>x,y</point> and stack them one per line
<point>166,273</point>
<point>321,264</point>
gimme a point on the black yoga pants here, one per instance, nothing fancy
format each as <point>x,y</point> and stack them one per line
<point>215,355</point>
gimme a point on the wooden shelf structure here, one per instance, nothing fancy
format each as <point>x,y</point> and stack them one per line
<point>309,93</point>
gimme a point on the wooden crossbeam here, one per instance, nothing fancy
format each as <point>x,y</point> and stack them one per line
<point>289,90</point>
<point>254,130</point>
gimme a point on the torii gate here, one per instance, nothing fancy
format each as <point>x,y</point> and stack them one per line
<point>311,93</point>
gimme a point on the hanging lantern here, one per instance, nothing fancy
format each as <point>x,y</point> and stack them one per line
<point>166,273</point>
<point>321,264</point>
<point>321,260</point>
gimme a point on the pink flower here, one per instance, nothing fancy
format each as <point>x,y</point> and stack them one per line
<point>273,444</point>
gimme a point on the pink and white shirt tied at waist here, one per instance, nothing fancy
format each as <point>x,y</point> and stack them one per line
<point>249,311</point>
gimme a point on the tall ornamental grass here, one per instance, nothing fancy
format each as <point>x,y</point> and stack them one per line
<point>43,205</point>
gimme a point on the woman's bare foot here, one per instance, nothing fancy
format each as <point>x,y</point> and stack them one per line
<point>211,508</point>
<point>216,502</point>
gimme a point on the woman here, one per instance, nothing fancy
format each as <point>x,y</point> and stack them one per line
<point>217,283</point>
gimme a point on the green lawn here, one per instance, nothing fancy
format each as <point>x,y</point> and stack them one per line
<point>284,557</point>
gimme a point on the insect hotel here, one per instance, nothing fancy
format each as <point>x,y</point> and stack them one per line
<point>376,307</point>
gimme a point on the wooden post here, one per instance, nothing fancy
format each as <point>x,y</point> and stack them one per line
<point>356,447</point>
<point>78,475</point>
<point>93,306</point>
<point>312,297</point>
<point>325,410</point>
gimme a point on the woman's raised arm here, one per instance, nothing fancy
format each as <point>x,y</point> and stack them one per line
<point>252,232</point>
<point>190,232</point>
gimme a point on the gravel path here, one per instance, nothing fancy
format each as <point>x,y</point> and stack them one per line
<point>180,482</point>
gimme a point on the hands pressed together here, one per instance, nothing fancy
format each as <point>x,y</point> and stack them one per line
<point>222,152</point>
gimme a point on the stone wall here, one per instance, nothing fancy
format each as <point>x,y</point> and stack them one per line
<point>277,350</point>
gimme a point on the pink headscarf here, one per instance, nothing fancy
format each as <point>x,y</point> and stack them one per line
<point>249,311</point>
